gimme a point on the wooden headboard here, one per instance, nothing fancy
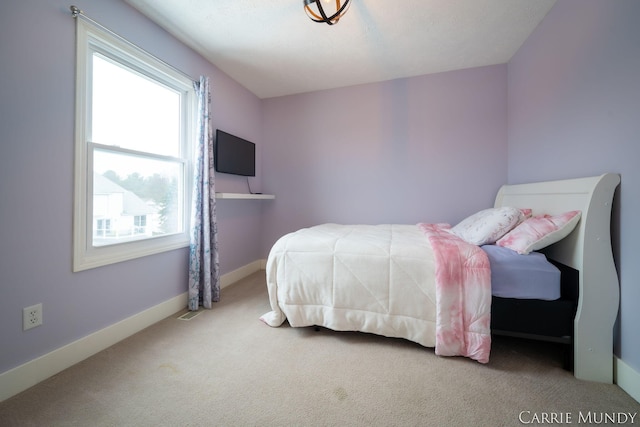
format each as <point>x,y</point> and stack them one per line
<point>588,250</point>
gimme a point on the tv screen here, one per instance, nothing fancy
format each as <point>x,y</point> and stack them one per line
<point>234,155</point>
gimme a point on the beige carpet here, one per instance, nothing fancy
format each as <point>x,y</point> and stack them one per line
<point>226,368</point>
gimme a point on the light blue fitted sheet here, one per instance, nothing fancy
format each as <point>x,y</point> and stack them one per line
<point>529,276</point>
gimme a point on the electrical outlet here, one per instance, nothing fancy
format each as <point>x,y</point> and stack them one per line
<point>31,317</point>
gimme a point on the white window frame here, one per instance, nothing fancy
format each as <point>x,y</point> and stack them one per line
<point>90,39</point>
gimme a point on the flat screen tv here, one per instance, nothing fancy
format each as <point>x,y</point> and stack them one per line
<point>234,155</point>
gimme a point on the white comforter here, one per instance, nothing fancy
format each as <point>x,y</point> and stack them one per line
<point>371,278</point>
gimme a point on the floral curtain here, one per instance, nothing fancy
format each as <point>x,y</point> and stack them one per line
<point>204,264</point>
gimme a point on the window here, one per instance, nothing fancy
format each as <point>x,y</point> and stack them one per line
<point>103,227</point>
<point>134,132</point>
<point>140,222</point>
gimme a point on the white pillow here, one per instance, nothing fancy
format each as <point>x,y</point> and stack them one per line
<point>488,225</point>
<point>539,232</point>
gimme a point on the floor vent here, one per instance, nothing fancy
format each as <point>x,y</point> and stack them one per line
<point>189,315</point>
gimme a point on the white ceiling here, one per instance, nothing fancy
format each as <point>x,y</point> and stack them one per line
<point>272,48</point>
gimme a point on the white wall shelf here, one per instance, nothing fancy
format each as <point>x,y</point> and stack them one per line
<point>245,196</point>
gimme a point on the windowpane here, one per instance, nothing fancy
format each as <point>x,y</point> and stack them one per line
<point>131,111</point>
<point>135,124</point>
<point>138,197</point>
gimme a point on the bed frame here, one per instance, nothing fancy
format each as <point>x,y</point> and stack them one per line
<point>521,317</point>
<point>588,250</point>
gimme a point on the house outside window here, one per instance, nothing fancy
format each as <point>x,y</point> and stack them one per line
<point>135,120</point>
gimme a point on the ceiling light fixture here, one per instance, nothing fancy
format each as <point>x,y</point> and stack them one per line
<point>319,15</point>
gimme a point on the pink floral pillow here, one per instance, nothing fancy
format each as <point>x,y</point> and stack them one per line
<point>488,225</point>
<point>539,232</point>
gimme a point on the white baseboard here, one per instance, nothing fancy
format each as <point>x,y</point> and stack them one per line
<point>242,272</point>
<point>31,373</point>
<point>627,378</point>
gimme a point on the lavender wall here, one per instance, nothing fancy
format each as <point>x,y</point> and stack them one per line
<point>429,148</point>
<point>37,47</point>
<point>574,104</point>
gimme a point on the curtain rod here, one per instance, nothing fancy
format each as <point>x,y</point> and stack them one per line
<point>76,12</point>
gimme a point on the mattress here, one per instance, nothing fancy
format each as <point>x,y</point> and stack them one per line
<point>518,276</point>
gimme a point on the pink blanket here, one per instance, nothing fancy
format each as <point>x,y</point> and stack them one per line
<point>463,295</point>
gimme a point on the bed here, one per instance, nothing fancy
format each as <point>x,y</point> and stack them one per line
<point>426,284</point>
